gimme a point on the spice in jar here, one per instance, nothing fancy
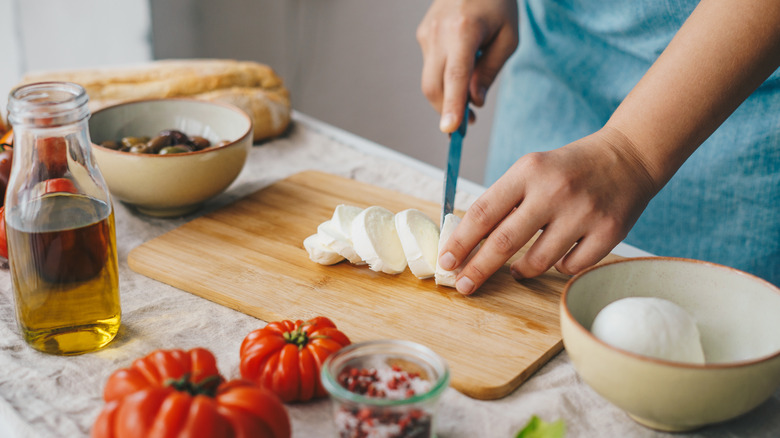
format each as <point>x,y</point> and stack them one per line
<point>392,383</point>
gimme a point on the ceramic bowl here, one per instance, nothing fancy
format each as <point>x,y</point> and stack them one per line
<point>175,184</point>
<point>737,318</point>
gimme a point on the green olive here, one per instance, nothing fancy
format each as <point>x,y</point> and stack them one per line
<point>140,148</point>
<point>132,141</point>
<point>111,144</point>
<point>175,149</point>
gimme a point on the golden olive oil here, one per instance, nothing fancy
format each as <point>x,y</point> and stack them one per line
<point>64,270</point>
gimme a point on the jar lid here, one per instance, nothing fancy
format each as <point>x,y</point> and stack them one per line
<point>47,104</point>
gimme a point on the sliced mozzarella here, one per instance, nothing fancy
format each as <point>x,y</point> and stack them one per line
<point>319,252</point>
<point>376,241</point>
<point>334,239</point>
<point>442,276</point>
<point>343,216</point>
<point>419,236</point>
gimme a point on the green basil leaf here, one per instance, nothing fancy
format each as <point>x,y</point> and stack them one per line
<point>538,428</point>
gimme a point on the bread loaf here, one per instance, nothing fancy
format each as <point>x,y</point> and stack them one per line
<point>253,87</point>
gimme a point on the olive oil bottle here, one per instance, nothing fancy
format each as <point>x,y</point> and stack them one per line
<point>59,225</point>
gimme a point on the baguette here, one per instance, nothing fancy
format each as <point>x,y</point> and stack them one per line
<point>251,86</point>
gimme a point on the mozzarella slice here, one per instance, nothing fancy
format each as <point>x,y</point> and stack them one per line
<point>343,216</point>
<point>319,252</point>
<point>443,276</point>
<point>419,236</point>
<point>376,241</point>
<point>334,239</point>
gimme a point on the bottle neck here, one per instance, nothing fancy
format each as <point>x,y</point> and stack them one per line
<point>47,105</point>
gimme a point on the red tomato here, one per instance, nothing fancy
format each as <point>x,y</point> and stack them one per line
<point>8,138</point>
<point>3,241</point>
<point>59,185</point>
<point>53,153</point>
<point>6,159</point>
<point>178,393</point>
<point>286,357</point>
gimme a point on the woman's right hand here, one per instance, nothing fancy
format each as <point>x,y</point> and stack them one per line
<point>450,35</point>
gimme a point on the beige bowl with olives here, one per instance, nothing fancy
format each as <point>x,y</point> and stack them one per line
<point>166,157</point>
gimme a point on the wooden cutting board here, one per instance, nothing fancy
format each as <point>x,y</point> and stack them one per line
<point>249,256</point>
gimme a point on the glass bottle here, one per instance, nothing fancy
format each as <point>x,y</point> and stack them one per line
<point>59,224</point>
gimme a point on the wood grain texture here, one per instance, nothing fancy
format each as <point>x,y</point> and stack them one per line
<point>249,256</point>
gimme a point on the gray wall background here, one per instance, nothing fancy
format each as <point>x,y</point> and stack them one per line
<point>352,63</point>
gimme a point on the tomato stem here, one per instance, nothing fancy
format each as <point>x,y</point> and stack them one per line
<point>207,386</point>
<point>297,337</point>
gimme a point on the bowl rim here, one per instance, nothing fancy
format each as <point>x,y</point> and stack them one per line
<point>566,312</point>
<point>229,106</point>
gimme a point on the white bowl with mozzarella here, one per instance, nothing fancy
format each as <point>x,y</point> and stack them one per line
<point>736,317</point>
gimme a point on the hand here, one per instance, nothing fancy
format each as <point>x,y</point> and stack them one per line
<point>585,197</point>
<point>450,35</point>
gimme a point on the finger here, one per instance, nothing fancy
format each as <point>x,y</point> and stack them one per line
<point>488,66</point>
<point>513,232</point>
<point>588,251</point>
<point>432,81</point>
<point>553,243</point>
<point>481,218</point>
<point>457,74</point>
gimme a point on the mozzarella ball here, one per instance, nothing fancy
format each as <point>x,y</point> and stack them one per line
<point>651,327</point>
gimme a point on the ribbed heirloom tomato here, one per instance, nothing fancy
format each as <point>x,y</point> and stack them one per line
<point>287,356</point>
<point>178,393</point>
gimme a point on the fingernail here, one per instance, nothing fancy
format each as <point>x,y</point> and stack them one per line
<point>464,285</point>
<point>447,261</point>
<point>447,123</point>
<point>516,275</point>
<point>482,94</point>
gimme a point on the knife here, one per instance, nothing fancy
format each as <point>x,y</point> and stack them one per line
<point>453,166</point>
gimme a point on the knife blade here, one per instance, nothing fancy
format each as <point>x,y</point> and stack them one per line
<point>453,166</point>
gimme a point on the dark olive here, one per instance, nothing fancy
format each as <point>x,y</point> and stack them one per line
<point>111,144</point>
<point>177,137</point>
<point>199,142</point>
<point>132,141</point>
<point>175,149</point>
<point>159,142</point>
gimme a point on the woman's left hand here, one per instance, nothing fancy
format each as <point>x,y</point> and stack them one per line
<point>585,197</point>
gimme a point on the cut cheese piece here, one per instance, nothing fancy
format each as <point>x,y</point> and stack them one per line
<point>419,236</point>
<point>376,241</point>
<point>443,276</point>
<point>334,239</point>
<point>319,252</point>
<point>651,327</point>
<point>342,219</point>
<point>343,216</point>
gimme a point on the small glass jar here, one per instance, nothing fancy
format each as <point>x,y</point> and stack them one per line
<point>59,224</point>
<point>387,388</point>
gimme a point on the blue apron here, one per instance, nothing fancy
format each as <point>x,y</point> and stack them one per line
<point>576,62</point>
